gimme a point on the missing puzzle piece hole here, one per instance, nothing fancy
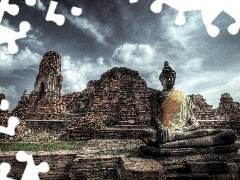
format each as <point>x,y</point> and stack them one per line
<point>133,1</point>
<point>44,167</point>
<point>233,28</point>
<point>12,123</point>
<point>156,6</point>
<point>24,27</point>
<point>4,170</point>
<point>180,20</point>
<point>30,2</point>
<point>4,105</point>
<point>213,30</point>
<point>59,19</point>
<point>76,11</point>
<point>21,156</point>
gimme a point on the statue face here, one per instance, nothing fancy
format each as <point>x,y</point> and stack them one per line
<point>168,82</point>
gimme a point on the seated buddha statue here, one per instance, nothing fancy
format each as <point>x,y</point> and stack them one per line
<point>174,123</point>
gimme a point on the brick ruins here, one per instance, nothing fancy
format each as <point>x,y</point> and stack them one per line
<point>117,108</point>
<point>45,101</point>
<point>202,110</point>
<point>119,100</point>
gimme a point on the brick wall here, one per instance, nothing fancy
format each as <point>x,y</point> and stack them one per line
<point>215,124</point>
<point>51,126</point>
<point>106,134</point>
<point>59,164</point>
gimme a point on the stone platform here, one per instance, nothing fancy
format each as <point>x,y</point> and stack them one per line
<point>122,159</point>
<point>111,159</point>
<point>114,159</point>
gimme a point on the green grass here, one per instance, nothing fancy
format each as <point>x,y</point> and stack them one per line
<point>41,146</point>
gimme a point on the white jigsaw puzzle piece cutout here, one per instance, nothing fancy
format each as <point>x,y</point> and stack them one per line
<point>59,19</point>
<point>209,9</point>
<point>9,36</point>
<point>12,9</point>
<point>4,170</point>
<point>31,171</point>
<point>76,11</point>
<point>12,121</point>
<point>30,2</point>
<point>133,1</point>
<point>4,105</point>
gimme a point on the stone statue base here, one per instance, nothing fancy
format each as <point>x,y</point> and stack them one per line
<point>189,139</point>
<point>154,151</point>
<point>201,141</point>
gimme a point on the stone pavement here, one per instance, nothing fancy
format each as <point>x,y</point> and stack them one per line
<point>111,147</point>
<point>114,159</point>
<point>122,159</point>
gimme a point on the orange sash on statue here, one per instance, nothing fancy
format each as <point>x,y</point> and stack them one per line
<point>171,106</point>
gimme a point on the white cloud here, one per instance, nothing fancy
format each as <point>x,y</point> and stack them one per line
<point>76,74</point>
<point>33,39</point>
<point>21,61</point>
<point>40,5</point>
<point>141,57</point>
<point>100,61</point>
<point>219,85</point>
<point>134,53</point>
<point>5,22</point>
<point>181,34</point>
<point>91,27</point>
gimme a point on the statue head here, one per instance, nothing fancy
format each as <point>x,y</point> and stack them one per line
<point>167,77</point>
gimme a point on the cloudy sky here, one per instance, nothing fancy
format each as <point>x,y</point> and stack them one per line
<point>115,33</point>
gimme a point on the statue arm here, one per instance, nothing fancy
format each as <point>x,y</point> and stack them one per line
<point>161,130</point>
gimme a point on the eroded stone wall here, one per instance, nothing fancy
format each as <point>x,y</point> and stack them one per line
<point>202,110</point>
<point>119,99</point>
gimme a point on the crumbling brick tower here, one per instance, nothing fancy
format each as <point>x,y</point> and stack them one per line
<point>45,101</point>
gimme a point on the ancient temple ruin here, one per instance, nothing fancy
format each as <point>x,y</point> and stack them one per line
<point>114,112</point>
<point>45,101</point>
<point>120,99</point>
